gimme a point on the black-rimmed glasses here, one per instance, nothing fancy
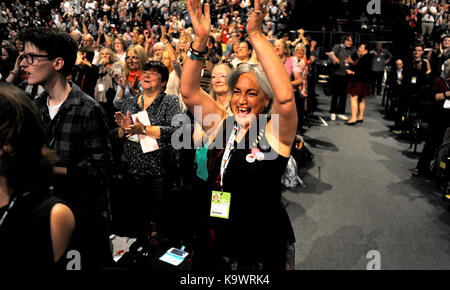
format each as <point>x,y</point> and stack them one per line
<point>30,57</point>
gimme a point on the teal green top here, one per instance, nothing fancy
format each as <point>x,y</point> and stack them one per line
<point>201,161</point>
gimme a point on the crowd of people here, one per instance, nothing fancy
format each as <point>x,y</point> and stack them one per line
<point>139,97</point>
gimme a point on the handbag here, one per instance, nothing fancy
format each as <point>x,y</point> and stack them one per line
<point>301,154</point>
<point>290,178</point>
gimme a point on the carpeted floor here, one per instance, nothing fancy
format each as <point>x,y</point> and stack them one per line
<point>360,196</point>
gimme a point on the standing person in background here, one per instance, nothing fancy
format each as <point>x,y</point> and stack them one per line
<point>439,56</point>
<point>428,10</point>
<point>294,71</point>
<point>440,121</point>
<point>397,80</point>
<point>169,59</point>
<point>77,131</point>
<point>244,53</point>
<point>129,81</point>
<point>105,87</point>
<point>301,67</point>
<point>381,58</point>
<point>342,57</point>
<point>419,70</point>
<point>35,227</point>
<point>219,87</point>
<point>314,55</point>
<point>84,73</point>
<point>360,85</point>
<point>8,58</point>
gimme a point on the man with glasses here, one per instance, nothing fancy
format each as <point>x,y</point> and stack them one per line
<point>77,131</point>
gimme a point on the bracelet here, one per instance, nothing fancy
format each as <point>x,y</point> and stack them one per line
<point>199,54</point>
<point>194,57</point>
<point>11,72</point>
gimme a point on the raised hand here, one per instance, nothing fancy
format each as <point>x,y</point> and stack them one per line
<point>120,80</point>
<point>201,22</point>
<point>170,30</point>
<point>255,22</point>
<point>17,63</point>
<point>163,32</point>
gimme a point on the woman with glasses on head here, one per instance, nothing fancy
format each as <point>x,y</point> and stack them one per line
<point>145,170</point>
<point>248,154</point>
<point>129,81</point>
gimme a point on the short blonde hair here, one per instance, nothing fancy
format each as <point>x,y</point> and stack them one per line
<point>300,46</point>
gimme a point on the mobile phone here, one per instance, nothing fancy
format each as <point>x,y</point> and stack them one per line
<point>178,253</point>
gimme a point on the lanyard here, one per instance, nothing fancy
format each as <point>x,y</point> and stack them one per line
<point>11,204</point>
<point>227,153</point>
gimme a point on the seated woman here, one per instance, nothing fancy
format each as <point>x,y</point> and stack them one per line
<point>145,170</point>
<point>35,227</point>
<point>248,228</point>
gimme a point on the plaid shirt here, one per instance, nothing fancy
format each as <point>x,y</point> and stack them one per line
<point>78,134</point>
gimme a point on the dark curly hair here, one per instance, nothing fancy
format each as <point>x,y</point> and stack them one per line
<point>55,42</point>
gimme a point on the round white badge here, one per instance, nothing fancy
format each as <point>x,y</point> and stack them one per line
<point>250,158</point>
<point>259,156</point>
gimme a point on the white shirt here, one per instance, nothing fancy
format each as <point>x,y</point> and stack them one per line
<point>399,73</point>
<point>428,17</point>
<point>53,110</point>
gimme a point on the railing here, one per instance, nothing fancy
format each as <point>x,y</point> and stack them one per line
<point>327,39</point>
